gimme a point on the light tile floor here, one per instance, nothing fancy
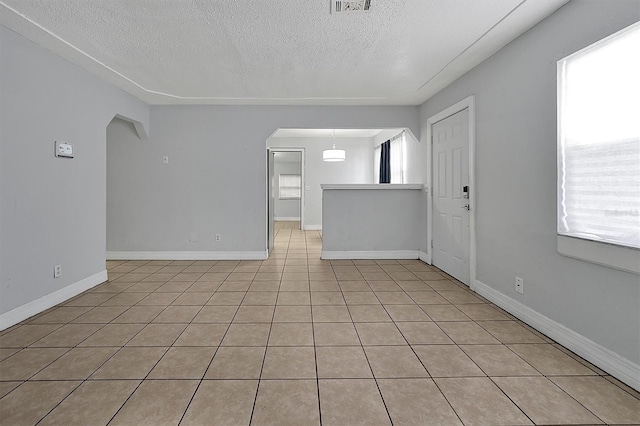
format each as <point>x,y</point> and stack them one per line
<point>293,340</point>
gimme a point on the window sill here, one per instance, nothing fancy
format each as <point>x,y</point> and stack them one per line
<point>617,257</point>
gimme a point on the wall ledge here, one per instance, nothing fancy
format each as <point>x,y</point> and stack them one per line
<point>614,364</point>
<point>34,307</point>
<point>610,255</point>
<point>375,186</point>
<point>187,255</point>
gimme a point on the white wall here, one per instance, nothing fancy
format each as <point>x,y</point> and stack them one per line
<point>357,168</point>
<point>515,93</point>
<point>52,210</point>
<point>286,208</point>
<point>215,181</point>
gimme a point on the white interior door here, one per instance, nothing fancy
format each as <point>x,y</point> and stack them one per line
<point>450,200</point>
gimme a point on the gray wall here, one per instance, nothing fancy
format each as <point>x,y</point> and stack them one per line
<point>357,168</point>
<point>286,208</point>
<point>215,182</point>
<point>516,177</point>
<point>52,210</point>
<point>372,219</point>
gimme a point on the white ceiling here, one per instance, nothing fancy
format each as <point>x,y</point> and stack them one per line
<point>288,52</point>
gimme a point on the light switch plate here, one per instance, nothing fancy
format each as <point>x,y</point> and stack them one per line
<point>64,149</point>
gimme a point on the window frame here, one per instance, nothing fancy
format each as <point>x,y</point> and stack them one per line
<point>280,186</point>
<point>402,138</point>
<point>607,254</point>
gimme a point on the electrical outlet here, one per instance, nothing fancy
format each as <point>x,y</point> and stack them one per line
<point>519,285</point>
<point>218,237</point>
<point>57,271</point>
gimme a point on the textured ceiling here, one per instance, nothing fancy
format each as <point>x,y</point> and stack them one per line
<point>292,52</point>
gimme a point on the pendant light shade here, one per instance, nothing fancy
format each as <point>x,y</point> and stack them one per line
<point>333,154</point>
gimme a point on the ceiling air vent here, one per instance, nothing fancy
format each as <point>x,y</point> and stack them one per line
<point>338,6</point>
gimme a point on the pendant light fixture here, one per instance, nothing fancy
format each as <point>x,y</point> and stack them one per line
<point>333,154</point>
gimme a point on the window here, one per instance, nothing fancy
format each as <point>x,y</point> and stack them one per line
<point>397,157</point>
<point>289,187</point>
<point>599,141</point>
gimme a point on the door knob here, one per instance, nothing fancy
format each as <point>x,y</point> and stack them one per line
<point>466,206</point>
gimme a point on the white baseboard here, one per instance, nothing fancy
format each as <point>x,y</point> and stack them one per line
<point>313,227</point>
<point>187,255</point>
<point>27,310</point>
<point>425,257</point>
<point>286,219</point>
<point>619,367</point>
<point>388,254</point>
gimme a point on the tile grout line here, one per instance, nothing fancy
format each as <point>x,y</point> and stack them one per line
<point>215,352</point>
<point>294,250</point>
<point>264,357</point>
<point>315,349</point>
<point>69,349</point>
<point>153,367</point>
<point>149,372</point>
<point>416,355</point>
<point>373,375</point>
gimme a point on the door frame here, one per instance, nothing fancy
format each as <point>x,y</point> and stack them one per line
<point>302,181</point>
<point>467,103</point>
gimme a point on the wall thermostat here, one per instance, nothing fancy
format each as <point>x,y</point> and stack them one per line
<point>64,150</point>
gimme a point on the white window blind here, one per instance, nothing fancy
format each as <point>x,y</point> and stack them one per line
<point>289,187</point>
<point>599,141</point>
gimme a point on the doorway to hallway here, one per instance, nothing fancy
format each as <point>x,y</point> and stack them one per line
<point>285,184</point>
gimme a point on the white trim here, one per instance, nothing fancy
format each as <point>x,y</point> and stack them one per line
<point>34,307</point>
<point>286,219</point>
<point>467,103</point>
<point>187,255</point>
<point>389,254</point>
<point>425,257</point>
<point>313,228</point>
<point>619,367</point>
<point>617,257</point>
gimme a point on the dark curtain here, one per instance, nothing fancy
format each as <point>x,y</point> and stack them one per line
<point>385,162</point>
